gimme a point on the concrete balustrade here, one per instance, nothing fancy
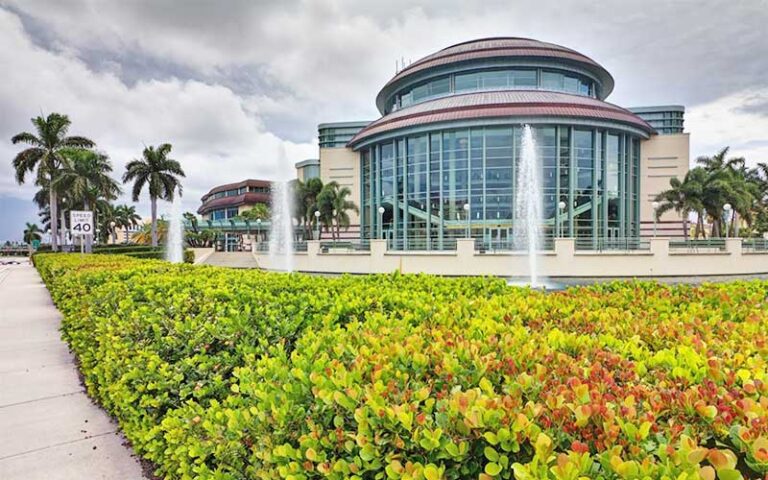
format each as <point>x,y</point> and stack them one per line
<point>564,261</point>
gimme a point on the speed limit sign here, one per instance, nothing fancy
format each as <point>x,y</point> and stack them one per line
<point>81,222</point>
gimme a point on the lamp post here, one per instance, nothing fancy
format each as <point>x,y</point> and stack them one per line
<point>381,222</point>
<point>727,212</point>
<point>333,219</point>
<point>560,207</point>
<point>258,234</point>
<point>113,224</point>
<point>655,206</point>
<point>469,219</point>
<point>317,224</point>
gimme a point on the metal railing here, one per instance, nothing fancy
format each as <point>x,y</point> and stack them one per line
<point>696,245</point>
<point>754,245</point>
<point>347,245</point>
<point>615,244</point>
<point>510,245</point>
<point>412,244</point>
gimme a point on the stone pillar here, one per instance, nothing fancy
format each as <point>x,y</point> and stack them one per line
<point>733,246</point>
<point>659,247</point>
<point>465,247</point>
<point>565,249</point>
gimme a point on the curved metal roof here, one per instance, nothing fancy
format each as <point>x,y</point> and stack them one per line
<point>496,47</point>
<point>248,198</point>
<point>499,104</point>
<point>231,186</point>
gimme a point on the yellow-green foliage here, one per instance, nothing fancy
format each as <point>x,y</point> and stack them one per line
<point>227,374</point>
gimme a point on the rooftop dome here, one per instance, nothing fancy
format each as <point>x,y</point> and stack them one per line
<point>484,49</point>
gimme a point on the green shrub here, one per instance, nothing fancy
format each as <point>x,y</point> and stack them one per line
<point>231,374</point>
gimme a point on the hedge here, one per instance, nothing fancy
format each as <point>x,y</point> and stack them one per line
<point>231,374</point>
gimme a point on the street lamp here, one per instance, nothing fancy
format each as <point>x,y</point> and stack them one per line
<point>258,233</point>
<point>655,206</point>
<point>560,207</point>
<point>113,224</point>
<point>317,224</point>
<point>469,219</point>
<point>63,216</point>
<point>334,219</point>
<point>727,208</point>
<point>381,222</point>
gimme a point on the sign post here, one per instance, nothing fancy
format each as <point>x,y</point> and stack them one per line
<point>81,224</point>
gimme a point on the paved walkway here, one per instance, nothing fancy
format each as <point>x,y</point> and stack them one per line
<point>232,260</point>
<point>49,428</point>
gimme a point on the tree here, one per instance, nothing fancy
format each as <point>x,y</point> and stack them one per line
<point>160,174</point>
<point>305,196</point>
<point>260,211</point>
<point>334,206</point>
<point>85,177</point>
<point>144,236</point>
<point>44,154</point>
<point>682,197</point>
<point>32,232</point>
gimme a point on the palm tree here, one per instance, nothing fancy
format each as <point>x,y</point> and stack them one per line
<point>112,217</point>
<point>86,180</point>
<point>45,154</point>
<point>683,197</point>
<point>258,211</point>
<point>334,206</point>
<point>144,236</point>
<point>32,232</point>
<point>161,175</point>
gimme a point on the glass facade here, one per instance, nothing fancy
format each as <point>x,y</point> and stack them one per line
<point>424,181</point>
<point>666,120</point>
<point>336,135</point>
<point>504,79</point>
<point>223,213</point>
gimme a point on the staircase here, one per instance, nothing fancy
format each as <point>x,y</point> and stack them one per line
<point>231,260</point>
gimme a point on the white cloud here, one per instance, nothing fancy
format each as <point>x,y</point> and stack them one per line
<point>215,136</point>
<point>739,120</point>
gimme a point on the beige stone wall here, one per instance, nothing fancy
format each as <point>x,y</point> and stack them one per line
<point>342,165</point>
<point>658,260</point>
<point>662,158</point>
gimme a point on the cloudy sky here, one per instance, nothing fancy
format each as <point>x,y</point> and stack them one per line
<point>239,86</point>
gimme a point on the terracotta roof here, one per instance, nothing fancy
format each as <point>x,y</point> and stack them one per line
<point>250,198</point>
<point>506,103</point>
<point>232,186</point>
<point>497,47</point>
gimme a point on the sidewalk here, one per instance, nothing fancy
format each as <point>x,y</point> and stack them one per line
<point>49,428</point>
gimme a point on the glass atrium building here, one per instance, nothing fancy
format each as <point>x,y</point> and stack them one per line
<point>441,162</point>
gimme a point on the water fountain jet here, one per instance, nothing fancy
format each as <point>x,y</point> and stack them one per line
<point>281,222</point>
<point>174,248</point>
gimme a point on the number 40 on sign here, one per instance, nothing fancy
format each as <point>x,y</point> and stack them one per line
<point>81,222</point>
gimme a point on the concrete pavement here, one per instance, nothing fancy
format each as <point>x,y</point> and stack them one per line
<point>49,428</point>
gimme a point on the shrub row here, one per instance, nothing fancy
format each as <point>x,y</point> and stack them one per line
<point>228,374</point>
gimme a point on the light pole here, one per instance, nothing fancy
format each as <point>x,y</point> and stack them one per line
<point>334,219</point>
<point>560,207</point>
<point>113,224</point>
<point>655,206</point>
<point>727,211</point>
<point>258,234</point>
<point>469,219</point>
<point>381,222</point>
<point>63,217</point>
<point>317,224</point>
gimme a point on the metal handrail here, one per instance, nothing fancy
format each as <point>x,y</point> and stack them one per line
<point>601,244</point>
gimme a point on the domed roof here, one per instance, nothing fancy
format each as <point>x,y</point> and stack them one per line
<point>496,47</point>
<point>514,106</point>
